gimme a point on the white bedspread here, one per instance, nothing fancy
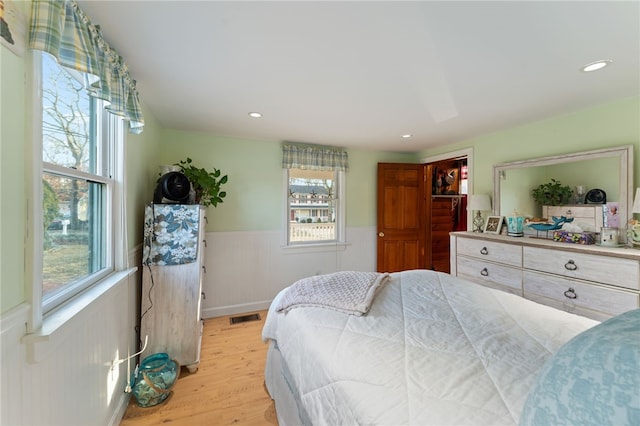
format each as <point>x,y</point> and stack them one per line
<point>433,350</point>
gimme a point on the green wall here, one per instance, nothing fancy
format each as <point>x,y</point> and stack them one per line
<point>142,160</point>
<point>255,199</point>
<point>254,192</point>
<point>362,183</point>
<point>609,125</point>
<point>516,186</point>
<point>12,184</point>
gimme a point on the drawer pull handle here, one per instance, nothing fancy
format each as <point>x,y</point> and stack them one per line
<point>570,266</point>
<point>484,250</point>
<point>484,272</point>
<point>569,212</point>
<point>570,294</point>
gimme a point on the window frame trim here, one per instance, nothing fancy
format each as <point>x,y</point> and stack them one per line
<point>72,173</point>
<point>116,259</point>
<point>33,172</point>
<point>340,221</point>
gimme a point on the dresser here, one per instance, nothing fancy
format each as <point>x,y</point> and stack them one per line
<point>172,275</point>
<point>589,280</point>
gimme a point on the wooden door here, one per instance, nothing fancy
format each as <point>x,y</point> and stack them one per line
<point>401,217</point>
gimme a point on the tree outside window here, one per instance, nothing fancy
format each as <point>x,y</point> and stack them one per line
<point>76,177</point>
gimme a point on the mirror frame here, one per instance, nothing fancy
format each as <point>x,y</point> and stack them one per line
<point>625,161</point>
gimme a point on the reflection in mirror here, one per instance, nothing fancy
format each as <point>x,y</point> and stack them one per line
<point>610,170</point>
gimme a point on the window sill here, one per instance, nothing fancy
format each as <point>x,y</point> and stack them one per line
<point>315,247</point>
<point>53,324</point>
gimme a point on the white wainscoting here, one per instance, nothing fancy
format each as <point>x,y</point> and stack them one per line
<point>67,378</point>
<point>71,380</point>
<point>246,269</point>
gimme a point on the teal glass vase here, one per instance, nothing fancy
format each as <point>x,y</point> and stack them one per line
<point>156,376</point>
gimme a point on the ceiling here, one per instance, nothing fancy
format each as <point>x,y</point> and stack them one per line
<point>362,74</point>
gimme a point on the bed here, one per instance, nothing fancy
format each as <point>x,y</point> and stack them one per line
<point>432,349</point>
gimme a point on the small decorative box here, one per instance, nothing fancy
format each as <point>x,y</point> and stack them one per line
<point>574,237</point>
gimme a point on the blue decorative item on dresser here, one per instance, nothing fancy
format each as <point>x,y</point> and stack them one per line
<point>557,224</point>
<point>594,379</point>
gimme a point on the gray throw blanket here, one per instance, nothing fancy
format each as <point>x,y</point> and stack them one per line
<point>350,292</point>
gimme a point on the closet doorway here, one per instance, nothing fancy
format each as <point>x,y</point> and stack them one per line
<point>418,205</point>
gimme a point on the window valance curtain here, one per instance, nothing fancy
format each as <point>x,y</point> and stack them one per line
<point>314,157</point>
<point>62,29</point>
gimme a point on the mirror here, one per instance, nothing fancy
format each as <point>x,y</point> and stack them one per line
<point>609,169</point>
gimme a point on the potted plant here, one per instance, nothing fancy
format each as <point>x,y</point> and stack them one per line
<point>552,193</point>
<point>206,185</point>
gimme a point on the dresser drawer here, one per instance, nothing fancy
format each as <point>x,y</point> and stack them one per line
<point>510,254</point>
<point>591,267</point>
<point>575,296</point>
<point>490,274</point>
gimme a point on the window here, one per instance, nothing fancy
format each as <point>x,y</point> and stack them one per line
<point>314,177</point>
<point>80,144</point>
<point>313,213</point>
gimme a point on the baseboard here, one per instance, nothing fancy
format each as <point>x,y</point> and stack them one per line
<point>222,311</point>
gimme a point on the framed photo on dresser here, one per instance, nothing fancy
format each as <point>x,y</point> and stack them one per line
<point>493,225</point>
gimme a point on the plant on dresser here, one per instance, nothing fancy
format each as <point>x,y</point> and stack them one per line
<point>552,193</point>
<point>206,185</point>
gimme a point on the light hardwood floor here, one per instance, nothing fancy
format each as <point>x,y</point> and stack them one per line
<point>228,387</point>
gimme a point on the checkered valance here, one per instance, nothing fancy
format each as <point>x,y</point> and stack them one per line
<point>314,157</point>
<point>62,29</point>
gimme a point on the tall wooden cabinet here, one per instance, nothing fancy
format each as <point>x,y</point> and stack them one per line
<point>172,274</point>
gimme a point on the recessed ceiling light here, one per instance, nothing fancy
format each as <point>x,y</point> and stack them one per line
<point>597,65</point>
<point>255,115</point>
<point>407,136</point>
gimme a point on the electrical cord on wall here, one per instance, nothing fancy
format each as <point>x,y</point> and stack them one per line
<point>127,388</point>
<point>147,262</point>
<point>148,295</point>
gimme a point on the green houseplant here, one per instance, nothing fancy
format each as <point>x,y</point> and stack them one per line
<point>552,193</point>
<point>206,185</point>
